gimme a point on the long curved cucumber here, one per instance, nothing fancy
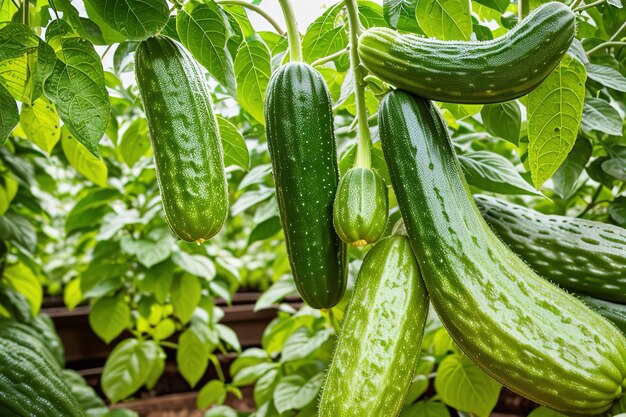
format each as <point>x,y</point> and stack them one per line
<point>525,332</point>
<point>581,255</point>
<point>493,71</point>
<point>301,142</point>
<point>185,138</point>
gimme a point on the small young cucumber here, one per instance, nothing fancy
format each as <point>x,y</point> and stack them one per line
<point>584,256</point>
<point>185,139</point>
<point>525,332</point>
<point>381,335</point>
<point>472,72</point>
<point>301,142</point>
<point>361,207</point>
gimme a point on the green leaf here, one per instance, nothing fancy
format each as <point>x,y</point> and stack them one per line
<point>600,116</point>
<point>23,280</point>
<point>214,392</point>
<point>235,149</point>
<point>14,77</point>
<point>265,386</point>
<point>400,14</point>
<point>497,5</point>
<point>127,368</point>
<point>567,178</point>
<point>544,412</point>
<point>253,71</point>
<point>9,115</point>
<point>77,89</point>
<point>18,229</point>
<point>148,252</point>
<point>227,335</point>
<point>607,76</point>
<point>295,392</point>
<point>426,409</point>
<point>323,37</point>
<point>158,366</point>
<point>83,161</point>
<point>109,317</point>
<point>301,344</point>
<point>197,265</point>
<point>281,288</point>
<point>617,211</point>
<point>503,120</point>
<point>135,143</point>
<point>185,296</point>
<point>204,30</point>
<point>445,19</point>
<point>72,296</point>
<point>135,19</point>
<point>40,122</point>
<point>250,374</point>
<point>371,14</point>
<point>221,411</point>
<point>492,172</point>
<point>192,356</point>
<point>554,115</point>
<point>462,385</point>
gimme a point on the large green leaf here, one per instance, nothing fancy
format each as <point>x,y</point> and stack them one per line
<point>9,116</point>
<point>554,114</point>
<point>325,36</point>
<point>77,89</point>
<point>21,278</point>
<point>40,122</point>
<point>607,76</point>
<point>185,296</point>
<point>567,179</point>
<point>109,317</point>
<point>204,30</point>
<point>127,368</point>
<point>235,149</point>
<point>490,171</point>
<point>135,143</point>
<point>426,409</point>
<point>503,120</point>
<point>600,116</point>
<point>400,14</point>
<point>253,71</point>
<point>192,356</point>
<point>93,168</point>
<point>462,385</point>
<point>295,392</point>
<point>445,19</point>
<point>135,19</point>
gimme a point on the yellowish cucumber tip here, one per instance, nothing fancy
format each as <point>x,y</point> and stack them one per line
<point>359,243</point>
<point>199,241</point>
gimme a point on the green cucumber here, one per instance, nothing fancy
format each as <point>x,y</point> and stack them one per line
<point>185,139</point>
<point>301,142</point>
<point>581,255</point>
<point>361,207</point>
<point>525,332</point>
<point>613,311</point>
<point>472,72</point>
<point>30,386</point>
<point>381,335</point>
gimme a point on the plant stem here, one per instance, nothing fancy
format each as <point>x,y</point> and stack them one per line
<point>26,12</point>
<point>574,4</point>
<point>363,157</point>
<point>106,51</point>
<point>593,203</point>
<point>604,45</point>
<point>295,49</point>
<point>218,368</point>
<point>255,9</point>
<point>523,7</point>
<point>589,6</point>
<point>167,344</point>
<point>330,57</point>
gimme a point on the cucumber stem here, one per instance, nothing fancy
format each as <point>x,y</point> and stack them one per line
<point>330,57</point>
<point>523,8</point>
<point>363,157</point>
<point>26,13</point>
<point>255,9</point>
<point>295,48</point>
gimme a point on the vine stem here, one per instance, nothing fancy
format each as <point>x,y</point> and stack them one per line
<point>295,48</point>
<point>589,6</point>
<point>26,13</point>
<point>255,9</point>
<point>592,203</point>
<point>604,45</point>
<point>574,4</point>
<point>523,7</point>
<point>363,157</point>
<point>330,57</point>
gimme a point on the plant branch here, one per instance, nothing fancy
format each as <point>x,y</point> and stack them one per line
<point>330,57</point>
<point>593,202</point>
<point>575,4</point>
<point>363,157</point>
<point>218,368</point>
<point>105,52</point>
<point>523,7</point>
<point>255,9</point>
<point>26,12</point>
<point>604,45</point>
<point>589,6</point>
<point>295,48</point>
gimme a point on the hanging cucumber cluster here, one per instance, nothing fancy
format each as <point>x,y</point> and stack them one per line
<point>501,310</point>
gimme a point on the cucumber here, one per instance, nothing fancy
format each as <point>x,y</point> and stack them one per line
<point>185,139</point>
<point>361,207</point>
<point>503,69</point>
<point>613,311</point>
<point>525,332</point>
<point>30,386</point>
<point>301,143</point>
<point>381,335</point>
<point>581,255</point>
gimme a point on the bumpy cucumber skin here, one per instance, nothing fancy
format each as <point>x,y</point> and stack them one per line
<point>301,143</point>
<point>29,385</point>
<point>615,312</point>
<point>522,330</point>
<point>185,139</point>
<point>381,335</point>
<point>361,207</point>
<point>581,255</point>
<point>503,69</point>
